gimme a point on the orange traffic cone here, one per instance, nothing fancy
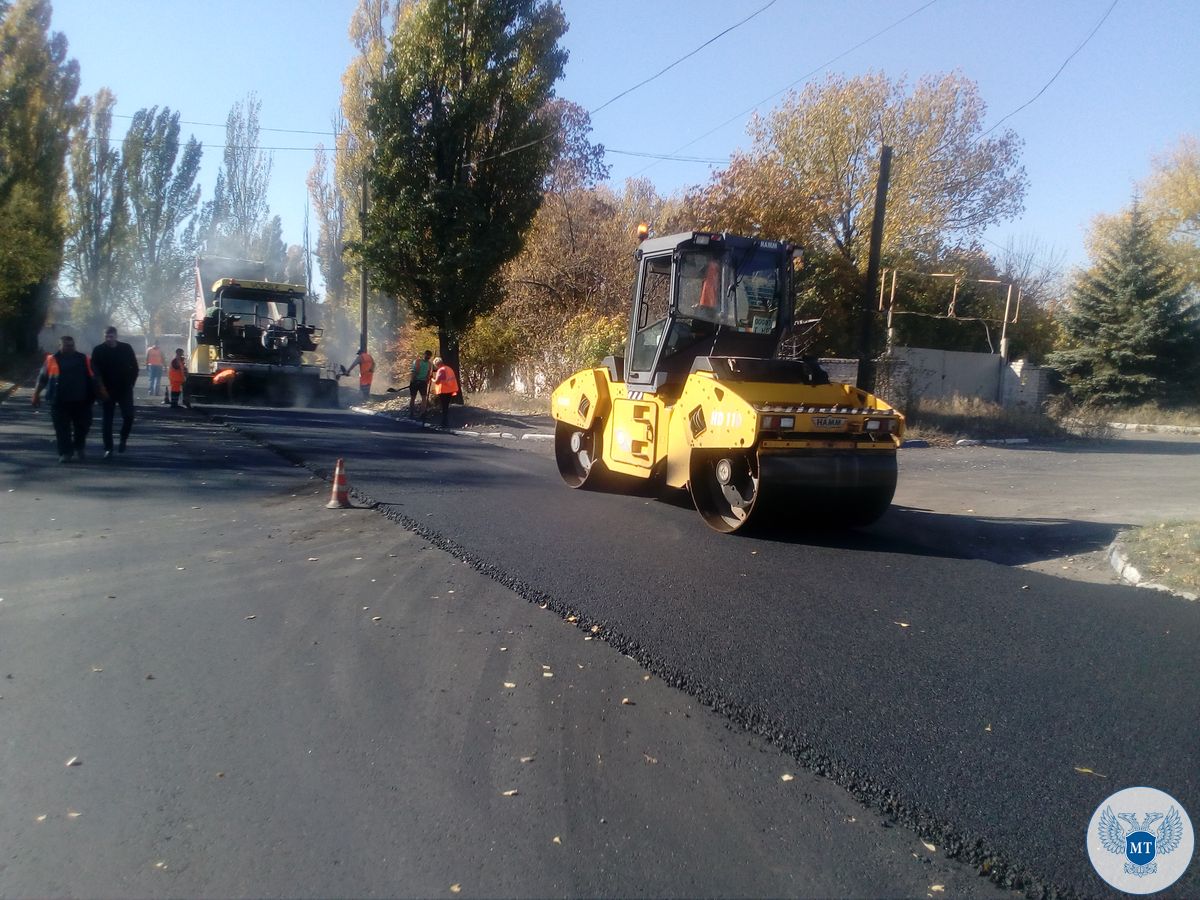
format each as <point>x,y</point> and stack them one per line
<point>340,497</point>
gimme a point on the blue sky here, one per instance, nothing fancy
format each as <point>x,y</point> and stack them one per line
<point>1126,97</point>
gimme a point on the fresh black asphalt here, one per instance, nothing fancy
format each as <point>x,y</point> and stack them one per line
<point>989,707</point>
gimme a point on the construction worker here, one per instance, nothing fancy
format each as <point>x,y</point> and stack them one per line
<point>445,386</point>
<point>366,371</point>
<point>418,382</point>
<point>71,388</point>
<point>178,375</point>
<point>154,368</point>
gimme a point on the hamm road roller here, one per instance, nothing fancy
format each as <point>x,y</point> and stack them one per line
<point>700,400</point>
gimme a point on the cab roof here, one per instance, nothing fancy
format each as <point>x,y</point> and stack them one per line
<point>274,287</point>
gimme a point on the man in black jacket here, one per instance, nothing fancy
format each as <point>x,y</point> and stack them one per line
<point>71,388</point>
<point>116,366</point>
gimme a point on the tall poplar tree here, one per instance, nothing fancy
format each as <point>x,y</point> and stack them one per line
<point>37,111</point>
<point>1132,335</point>
<point>97,218</point>
<point>164,198</point>
<point>464,140</point>
<point>237,216</point>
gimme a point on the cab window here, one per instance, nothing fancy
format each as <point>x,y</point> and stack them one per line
<point>653,301</point>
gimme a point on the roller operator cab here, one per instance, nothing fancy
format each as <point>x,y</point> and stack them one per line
<point>251,340</point>
<point>700,400</point>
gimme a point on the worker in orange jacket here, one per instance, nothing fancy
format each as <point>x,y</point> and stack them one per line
<point>71,387</point>
<point>445,386</point>
<point>366,371</point>
<point>154,368</point>
<point>177,373</point>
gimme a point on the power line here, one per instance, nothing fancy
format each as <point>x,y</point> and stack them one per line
<point>1090,35</point>
<point>225,124</point>
<point>803,77</point>
<point>668,68</point>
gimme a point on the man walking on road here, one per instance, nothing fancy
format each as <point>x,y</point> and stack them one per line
<point>71,388</point>
<point>116,366</point>
<point>154,369</point>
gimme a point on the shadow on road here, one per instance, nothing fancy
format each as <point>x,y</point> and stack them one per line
<point>922,532</point>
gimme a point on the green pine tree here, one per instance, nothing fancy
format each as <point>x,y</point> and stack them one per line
<point>1133,335</point>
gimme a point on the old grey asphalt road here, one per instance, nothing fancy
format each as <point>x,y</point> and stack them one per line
<point>991,707</point>
<point>262,697</point>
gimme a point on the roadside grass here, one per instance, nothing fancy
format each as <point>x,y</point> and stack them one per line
<point>1167,553</point>
<point>1153,414</point>
<point>942,422</point>
<point>510,402</point>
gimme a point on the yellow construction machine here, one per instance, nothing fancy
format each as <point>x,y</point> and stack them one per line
<point>700,400</point>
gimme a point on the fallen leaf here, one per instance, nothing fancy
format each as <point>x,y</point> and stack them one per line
<point>71,814</point>
<point>41,818</point>
<point>650,760</point>
<point>97,669</point>
<point>510,684</point>
<point>527,759</point>
<point>248,618</point>
<point>645,678</point>
<point>74,761</point>
<point>161,864</point>
<point>1083,771</point>
<point>588,638</point>
<point>557,839</point>
<point>455,888</point>
<point>937,888</point>
<point>511,793</point>
<point>989,727</point>
<point>787,776</point>
<point>545,668</point>
<point>547,674</point>
<point>595,628</point>
<point>503,649</point>
<point>376,618</point>
<point>572,618</point>
<point>313,558</point>
<point>928,846</point>
<point>625,701</point>
<point>902,624</point>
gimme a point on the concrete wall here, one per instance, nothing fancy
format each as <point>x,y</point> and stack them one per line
<point>915,373</point>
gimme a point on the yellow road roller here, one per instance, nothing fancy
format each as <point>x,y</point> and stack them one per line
<point>700,400</point>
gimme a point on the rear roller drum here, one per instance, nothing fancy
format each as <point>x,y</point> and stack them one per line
<point>575,452</point>
<point>725,488</point>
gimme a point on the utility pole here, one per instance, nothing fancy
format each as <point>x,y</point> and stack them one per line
<point>866,365</point>
<point>362,268</point>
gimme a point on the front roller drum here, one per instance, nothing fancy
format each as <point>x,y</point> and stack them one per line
<point>829,489</point>
<point>725,487</point>
<point>575,451</point>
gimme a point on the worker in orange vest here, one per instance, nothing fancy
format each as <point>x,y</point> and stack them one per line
<point>71,388</point>
<point>154,368</point>
<point>445,386</point>
<point>178,375</point>
<point>366,371</point>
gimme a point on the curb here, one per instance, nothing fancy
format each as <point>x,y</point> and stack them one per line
<point>1118,558</point>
